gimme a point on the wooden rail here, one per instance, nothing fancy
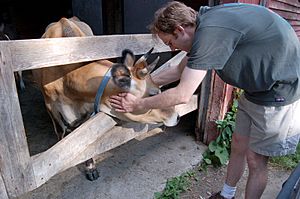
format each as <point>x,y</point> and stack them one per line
<point>21,173</point>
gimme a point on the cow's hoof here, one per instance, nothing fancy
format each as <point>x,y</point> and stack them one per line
<point>92,174</point>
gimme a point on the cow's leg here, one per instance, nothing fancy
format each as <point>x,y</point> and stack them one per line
<point>91,170</point>
<point>55,125</point>
<point>19,80</point>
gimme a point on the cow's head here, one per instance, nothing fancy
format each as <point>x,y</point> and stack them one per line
<point>134,77</point>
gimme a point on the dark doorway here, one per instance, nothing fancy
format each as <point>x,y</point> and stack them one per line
<point>30,18</point>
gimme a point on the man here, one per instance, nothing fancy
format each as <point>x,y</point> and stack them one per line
<point>249,47</point>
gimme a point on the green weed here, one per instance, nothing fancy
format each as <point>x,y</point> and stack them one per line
<point>175,186</point>
<point>218,150</point>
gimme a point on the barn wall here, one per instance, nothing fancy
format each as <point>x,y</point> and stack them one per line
<point>139,14</point>
<point>89,11</point>
<point>288,9</point>
<point>28,19</point>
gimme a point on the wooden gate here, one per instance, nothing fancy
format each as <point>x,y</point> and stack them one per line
<point>21,172</point>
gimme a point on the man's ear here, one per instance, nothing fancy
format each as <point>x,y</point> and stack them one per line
<point>179,29</point>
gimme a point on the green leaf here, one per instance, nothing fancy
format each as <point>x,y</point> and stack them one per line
<point>157,194</point>
<point>212,146</point>
<point>207,161</point>
<point>223,156</point>
<point>218,139</point>
<point>228,131</point>
<point>231,123</point>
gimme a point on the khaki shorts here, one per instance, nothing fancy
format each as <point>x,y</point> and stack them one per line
<point>273,131</point>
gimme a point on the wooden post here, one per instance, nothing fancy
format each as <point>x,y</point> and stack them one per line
<point>203,101</point>
<point>220,99</point>
<point>15,162</point>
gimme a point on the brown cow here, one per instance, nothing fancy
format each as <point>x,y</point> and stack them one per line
<point>69,91</point>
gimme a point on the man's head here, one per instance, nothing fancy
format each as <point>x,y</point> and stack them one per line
<point>174,24</point>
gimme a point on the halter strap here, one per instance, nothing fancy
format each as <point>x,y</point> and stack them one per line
<point>100,91</point>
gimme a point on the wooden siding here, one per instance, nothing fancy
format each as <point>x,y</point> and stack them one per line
<point>288,9</point>
<point>241,1</point>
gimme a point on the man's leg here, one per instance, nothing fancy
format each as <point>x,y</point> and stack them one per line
<point>237,161</point>
<point>258,175</point>
<point>236,166</point>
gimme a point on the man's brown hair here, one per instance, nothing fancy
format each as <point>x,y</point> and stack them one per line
<point>171,15</point>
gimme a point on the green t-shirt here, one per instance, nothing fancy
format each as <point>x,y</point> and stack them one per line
<point>249,47</point>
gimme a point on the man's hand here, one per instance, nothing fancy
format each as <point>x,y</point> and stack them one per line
<point>125,102</point>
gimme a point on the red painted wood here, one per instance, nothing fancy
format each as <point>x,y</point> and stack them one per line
<point>290,2</point>
<point>288,9</point>
<point>219,103</point>
<point>288,15</point>
<point>228,1</point>
<point>296,28</point>
<point>294,23</point>
<point>283,7</point>
<point>249,1</point>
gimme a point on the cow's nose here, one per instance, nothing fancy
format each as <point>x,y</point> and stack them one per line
<point>178,118</point>
<point>172,121</point>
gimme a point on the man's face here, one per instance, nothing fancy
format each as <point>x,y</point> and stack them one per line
<point>179,40</point>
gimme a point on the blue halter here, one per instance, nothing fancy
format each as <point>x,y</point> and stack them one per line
<point>100,91</point>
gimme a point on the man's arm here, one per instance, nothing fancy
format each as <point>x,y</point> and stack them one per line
<point>181,94</point>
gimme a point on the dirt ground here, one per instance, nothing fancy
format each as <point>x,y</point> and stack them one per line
<point>40,137</point>
<point>206,183</point>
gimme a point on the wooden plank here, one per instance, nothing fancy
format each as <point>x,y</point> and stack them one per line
<point>217,107</point>
<point>296,28</point>
<point>203,101</point>
<point>37,53</point>
<point>120,135</point>
<point>294,23</point>
<point>150,133</point>
<point>15,162</point>
<point>283,6</point>
<point>173,62</point>
<point>288,15</point>
<point>183,109</point>
<point>58,158</point>
<point>295,3</point>
<point>250,1</point>
<point>111,139</point>
<point>240,1</point>
<point>3,193</point>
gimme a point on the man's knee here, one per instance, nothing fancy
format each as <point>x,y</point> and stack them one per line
<point>256,161</point>
<point>239,143</point>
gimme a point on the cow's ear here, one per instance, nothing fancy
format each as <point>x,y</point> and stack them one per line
<point>145,69</point>
<point>128,58</point>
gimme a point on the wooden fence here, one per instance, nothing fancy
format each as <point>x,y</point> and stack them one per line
<point>21,172</point>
